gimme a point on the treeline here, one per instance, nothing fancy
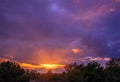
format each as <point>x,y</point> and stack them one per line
<point>94,72</point>
<point>91,72</point>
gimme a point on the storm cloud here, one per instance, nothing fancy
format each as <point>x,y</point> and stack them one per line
<point>47,31</point>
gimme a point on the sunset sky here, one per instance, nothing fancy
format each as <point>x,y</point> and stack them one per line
<point>59,31</point>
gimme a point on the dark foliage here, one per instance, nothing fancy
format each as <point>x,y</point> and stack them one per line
<point>91,72</point>
<point>12,72</point>
<point>94,72</point>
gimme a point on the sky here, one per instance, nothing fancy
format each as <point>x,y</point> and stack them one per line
<point>59,31</point>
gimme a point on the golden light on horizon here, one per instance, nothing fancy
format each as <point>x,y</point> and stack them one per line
<point>51,66</point>
<point>45,66</point>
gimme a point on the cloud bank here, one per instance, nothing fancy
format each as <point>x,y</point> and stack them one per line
<point>53,31</point>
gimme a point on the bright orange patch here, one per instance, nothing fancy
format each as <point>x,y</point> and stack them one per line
<point>46,66</point>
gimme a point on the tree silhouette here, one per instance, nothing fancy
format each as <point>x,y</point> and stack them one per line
<point>113,63</point>
<point>74,72</point>
<point>94,72</point>
<point>12,72</point>
<point>112,70</point>
<point>90,72</point>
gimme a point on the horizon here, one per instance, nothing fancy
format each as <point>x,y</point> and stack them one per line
<point>55,68</point>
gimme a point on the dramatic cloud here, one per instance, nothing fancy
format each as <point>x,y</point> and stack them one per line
<point>53,31</point>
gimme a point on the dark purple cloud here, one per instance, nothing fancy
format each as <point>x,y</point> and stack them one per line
<point>34,31</point>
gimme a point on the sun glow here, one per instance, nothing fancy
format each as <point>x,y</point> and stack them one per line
<point>45,66</point>
<point>51,66</point>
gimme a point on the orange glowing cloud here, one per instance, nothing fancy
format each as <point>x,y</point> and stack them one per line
<point>77,51</point>
<point>31,66</point>
<point>51,66</point>
<point>45,66</point>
